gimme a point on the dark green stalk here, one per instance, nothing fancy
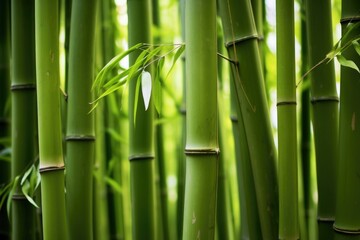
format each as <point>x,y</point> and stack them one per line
<point>5,173</point>
<point>347,217</point>
<point>286,109</point>
<point>242,45</point>
<point>250,222</point>
<point>23,112</point>
<point>80,132</point>
<point>325,111</point>
<point>201,120</point>
<point>305,134</point>
<point>50,140</point>
<point>141,152</point>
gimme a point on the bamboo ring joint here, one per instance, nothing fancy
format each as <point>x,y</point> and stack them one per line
<point>84,138</point>
<point>346,231</point>
<point>51,169</point>
<point>325,99</point>
<point>241,39</point>
<point>18,197</point>
<point>200,151</point>
<point>285,103</point>
<point>353,19</point>
<point>24,86</point>
<point>141,157</point>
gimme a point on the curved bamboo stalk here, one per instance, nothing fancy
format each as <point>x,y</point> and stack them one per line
<point>5,172</point>
<point>50,140</point>
<point>242,45</point>
<point>80,123</point>
<point>23,112</point>
<point>347,216</point>
<point>324,101</point>
<point>201,120</point>
<point>141,133</point>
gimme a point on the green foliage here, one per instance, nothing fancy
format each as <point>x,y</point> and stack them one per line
<point>106,83</point>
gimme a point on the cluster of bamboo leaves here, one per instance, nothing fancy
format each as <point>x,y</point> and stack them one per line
<point>76,151</point>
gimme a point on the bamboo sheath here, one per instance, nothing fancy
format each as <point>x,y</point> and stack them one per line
<point>23,112</point>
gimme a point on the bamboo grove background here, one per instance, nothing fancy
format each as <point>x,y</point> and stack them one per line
<point>174,119</point>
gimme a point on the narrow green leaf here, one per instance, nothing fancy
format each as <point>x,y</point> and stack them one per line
<point>356,46</point>
<point>5,192</point>
<point>157,85</point>
<point>347,63</point>
<point>26,190</point>
<point>138,63</point>
<point>137,90</point>
<point>26,174</point>
<point>115,135</point>
<point>146,88</point>
<point>176,57</point>
<point>11,193</point>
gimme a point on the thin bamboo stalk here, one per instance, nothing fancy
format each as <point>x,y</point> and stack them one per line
<point>242,45</point>
<point>5,171</point>
<point>324,101</point>
<point>141,132</point>
<point>201,120</point>
<point>23,112</point>
<point>50,143</point>
<point>347,217</point>
<point>286,112</point>
<point>80,132</point>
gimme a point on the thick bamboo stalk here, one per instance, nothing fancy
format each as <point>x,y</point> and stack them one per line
<point>324,101</point>
<point>5,172</point>
<point>141,151</point>
<point>286,112</point>
<point>242,45</point>
<point>80,123</point>
<point>347,217</point>
<point>201,120</point>
<point>50,140</point>
<point>23,112</point>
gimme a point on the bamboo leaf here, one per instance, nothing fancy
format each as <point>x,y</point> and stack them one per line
<point>5,192</point>
<point>11,193</point>
<point>176,57</point>
<point>356,46</point>
<point>26,174</point>
<point>146,88</point>
<point>347,63</point>
<point>137,89</point>
<point>26,189</point>
<point>157,85</point>
<point>115,135</point>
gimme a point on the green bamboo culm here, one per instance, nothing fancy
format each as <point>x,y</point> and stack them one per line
<point>141,132</point>
<point>286,114</point>
<point>80,139</point>
<point>201,120</point>
<point>241,40</point>
<point>50,140</point>
<point>23,114</point>
<point>324,102</point>
<point>347,213</point>
<point>5,172</point>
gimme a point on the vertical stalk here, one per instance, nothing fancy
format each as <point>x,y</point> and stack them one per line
<point>347,220</point>
<point>324,101</point>
<point>141,152</point>
<point>201,120</point>
<point>286,112</point>
<point>5,172</point>
<point>23,112</point>
<point>50,143</point>
<point>80,123</point>
<point>241,41</point>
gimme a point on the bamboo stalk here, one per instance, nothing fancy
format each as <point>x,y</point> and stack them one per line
<point>50,143</point>
<point>80,123</point>
<point>23,112</point>
<point>141,132</point>
<point>347,214</point>
<point>242,45</point>
<point>201,120</point>
<point>5,171</point>
<point>324,101</point>
<point>286,112</point>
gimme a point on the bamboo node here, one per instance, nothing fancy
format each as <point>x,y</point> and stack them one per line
<point>353,19</point>
<point>315,100</point>
<point>83,138</point>
<point>141,157</point>
<point>234,118</point>
<point>280,103</point>
<point>23,86</point>
<point>18,197</point>
<point>202,151</point>
<point>51,169</point>
<point>346,231</point>
<point>325,219</point>
<point>241,39</point>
